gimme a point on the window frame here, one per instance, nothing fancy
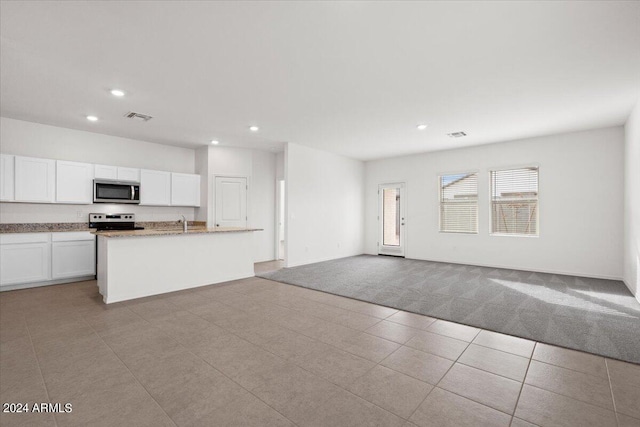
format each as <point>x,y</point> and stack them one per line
<point>506,168</point>
<point>439,196</point>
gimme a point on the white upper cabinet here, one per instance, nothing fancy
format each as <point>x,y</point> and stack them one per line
<point>117,173</point>
<point>128,174</point>
<point>106,172</point>
<point>185,189</point>
<point>74,182</point>
<point>35,180</point>
<point>6,177</point>
<point>155,188</point>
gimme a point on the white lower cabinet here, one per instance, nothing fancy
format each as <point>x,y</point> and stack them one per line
<point>25,258</point>
<point>73,259</point>
<point>73,254</point>
<point>42,257</point>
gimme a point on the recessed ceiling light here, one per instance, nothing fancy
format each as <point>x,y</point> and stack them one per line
<point>117,92</point>
<point>254,128</point>
<point>92,118</point>
<point>214,142</point>
<point>421,127</point>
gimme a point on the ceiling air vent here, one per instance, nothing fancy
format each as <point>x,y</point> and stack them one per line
<point>137,116</point>
<point>457,134</point>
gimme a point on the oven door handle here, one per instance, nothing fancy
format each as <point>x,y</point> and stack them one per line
<point>133,192</point>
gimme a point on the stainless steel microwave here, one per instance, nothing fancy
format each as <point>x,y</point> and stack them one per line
<point>107,191</point>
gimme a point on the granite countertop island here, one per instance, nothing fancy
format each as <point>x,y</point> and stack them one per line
<point>139,263</point>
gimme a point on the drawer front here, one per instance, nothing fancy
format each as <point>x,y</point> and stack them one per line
<point>72,236</point>
<point>12,238</point>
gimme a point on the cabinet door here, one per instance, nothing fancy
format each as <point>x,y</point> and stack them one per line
<point>34,180</point>
<point>128,174</point>
<point>6,177</point>
<point>25,263</point>
<point>185,189</point>
<point>74,182</point>
<point>155,188</point>
<point>106,172</point>
<point>73,259</point>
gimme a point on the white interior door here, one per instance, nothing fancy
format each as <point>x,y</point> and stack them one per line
<point>391,219</point>
<point>231,202</point>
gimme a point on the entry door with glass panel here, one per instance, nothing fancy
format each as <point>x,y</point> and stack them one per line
<point>391,240</point>
<point>231,202</point>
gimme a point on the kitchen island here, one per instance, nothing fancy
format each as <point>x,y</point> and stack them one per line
<point>139,263</point>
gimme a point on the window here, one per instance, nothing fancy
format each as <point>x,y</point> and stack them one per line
<point>391,216</point>
<point>514,201</point>
<point>459,203</point>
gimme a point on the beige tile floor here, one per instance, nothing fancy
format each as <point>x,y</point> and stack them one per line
<point>260,353</point>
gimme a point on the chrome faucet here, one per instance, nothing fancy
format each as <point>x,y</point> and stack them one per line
<point>184,223</point>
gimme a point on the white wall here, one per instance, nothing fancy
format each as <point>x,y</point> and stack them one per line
<point>202,168</point>
<point>580,206</point>
<point>51,142</point>
<point>324,204</point>
<point>632,202</point>
<point>37,140</point>
<point>12,213</point>
<point>280,166</point>
<point>262,208</point>
<point>260,169</point>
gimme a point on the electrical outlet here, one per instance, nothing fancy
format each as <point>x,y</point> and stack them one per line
<point>79,214</point>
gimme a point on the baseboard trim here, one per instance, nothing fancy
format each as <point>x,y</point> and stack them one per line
<point>322,260</point>
<point>47,283</point>
<point>130,297</point>
<point>636,295</point>
<point>534,270</point>
<point>510,267</point>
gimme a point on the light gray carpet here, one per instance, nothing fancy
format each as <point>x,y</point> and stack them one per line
<point>593,315</point>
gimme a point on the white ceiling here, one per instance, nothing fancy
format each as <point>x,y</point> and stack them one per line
<point>354,78</point>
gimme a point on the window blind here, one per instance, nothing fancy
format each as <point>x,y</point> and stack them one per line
<point>459,203</point>
<point>514,201</point>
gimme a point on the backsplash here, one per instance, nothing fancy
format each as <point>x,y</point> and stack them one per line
<point>20,213</point>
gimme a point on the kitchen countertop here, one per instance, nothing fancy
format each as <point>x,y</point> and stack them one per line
<point>172,231</point>
<point>49,227</point>
<point>57,227</point>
